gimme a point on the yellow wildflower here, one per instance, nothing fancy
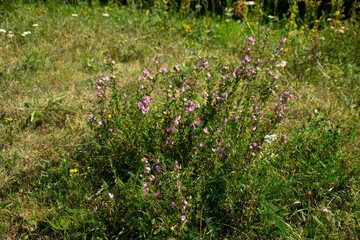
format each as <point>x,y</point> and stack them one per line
<point>73,171</point>
<point>186,27</point>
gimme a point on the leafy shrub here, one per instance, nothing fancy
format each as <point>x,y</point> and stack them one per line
<point>173,145</point>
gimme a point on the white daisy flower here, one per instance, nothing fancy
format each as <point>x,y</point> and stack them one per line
<point>25,33</point>
<point>270,138</point>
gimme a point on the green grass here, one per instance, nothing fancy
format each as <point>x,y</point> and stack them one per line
<point>47,82</point>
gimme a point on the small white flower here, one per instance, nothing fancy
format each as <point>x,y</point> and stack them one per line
<point>35,25</point>
<point>74,15</point>
<point>281,64</point>
<point>250,3</point>
<point>11,34</point>
<point>25,33</point>
<point>270,138</point>
<point>2,30</point>
<point>106,15</point>
<point>271,17</point>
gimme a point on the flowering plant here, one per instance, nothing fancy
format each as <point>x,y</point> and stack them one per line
<point>180,129</point>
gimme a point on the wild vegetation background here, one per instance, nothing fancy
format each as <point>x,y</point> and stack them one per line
<point>179,120</point>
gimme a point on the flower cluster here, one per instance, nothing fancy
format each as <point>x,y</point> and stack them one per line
<point>144,104</point>
<point>149,177</point>
<point>145,76</point>
<point>103,115</point>
<point>202,64</point>
<point>280,104</point>
<point>200,115</point>
<point>179,202</point>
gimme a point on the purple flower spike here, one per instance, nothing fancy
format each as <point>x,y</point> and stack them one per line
<point>247,58</point>
<point>142,107</point>
<point>146,100</point>
<point>169,128</point>
<point>252,40</point>
<point>271,72</point>
<point>156,59</point>
<point>90,116</point>
<point>177,120</point>
<point>177,68</point>
<point>191,108</point>
<point>206,130</point>
<point>163,70</point>
<point>100,82</point>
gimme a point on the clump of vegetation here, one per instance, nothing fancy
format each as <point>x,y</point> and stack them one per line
<point>181,132</point>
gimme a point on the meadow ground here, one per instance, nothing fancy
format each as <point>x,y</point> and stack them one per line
<point>303,187</point>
